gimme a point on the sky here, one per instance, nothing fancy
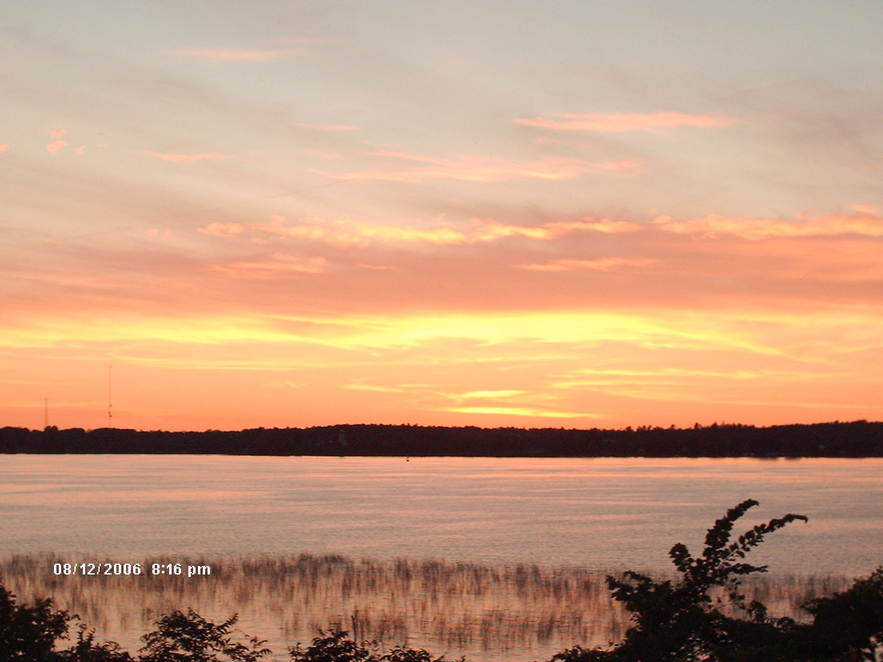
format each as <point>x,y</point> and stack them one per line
<point>222,215</point>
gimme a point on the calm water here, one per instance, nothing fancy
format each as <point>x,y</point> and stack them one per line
<point>478,519</point>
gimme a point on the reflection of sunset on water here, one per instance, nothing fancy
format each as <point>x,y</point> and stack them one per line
<point>500,511</point>
<point>490,613</point>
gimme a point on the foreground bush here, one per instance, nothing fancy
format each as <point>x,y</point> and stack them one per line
<point>703,616</point>
<point>682,621</point>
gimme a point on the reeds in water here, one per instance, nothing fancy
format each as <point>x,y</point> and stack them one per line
<point>486,612</point>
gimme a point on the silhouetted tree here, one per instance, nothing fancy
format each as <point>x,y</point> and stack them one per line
<point>682,622</point>
<point>29,633</point>
<point>335,646</point>
<point>86,649</point>
<point>189,637</point>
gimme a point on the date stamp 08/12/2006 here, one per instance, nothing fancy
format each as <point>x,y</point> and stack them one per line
<point>107,568</point>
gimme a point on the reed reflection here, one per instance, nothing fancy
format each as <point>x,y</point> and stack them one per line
<point>486,612</point>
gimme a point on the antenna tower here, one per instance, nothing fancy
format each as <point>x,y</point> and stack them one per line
<point>45,413</point>
<point>110,396</point>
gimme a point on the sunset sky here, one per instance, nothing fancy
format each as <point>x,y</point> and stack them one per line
<point>565,214</point>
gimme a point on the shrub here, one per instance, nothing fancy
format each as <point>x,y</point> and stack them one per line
<point>336,646</point>
<point>681,621</point>
<point>29,633</point>
<point>189,637</point>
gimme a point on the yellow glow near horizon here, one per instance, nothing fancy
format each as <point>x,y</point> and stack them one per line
<point>375,332</point>
<point>483,368</point>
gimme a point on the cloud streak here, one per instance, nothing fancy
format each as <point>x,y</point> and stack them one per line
<point>235,54</point>
<point>520,411</point>
<point>222,229</point>
<point>623,122</point>
<point>325,127</point>
<point>56,146</point>
<point>278,265</point>
<point>345,232</point>
<point>482,169</point>
<point>865,222</point>
<point>600,264</point>
<point>188,158</point>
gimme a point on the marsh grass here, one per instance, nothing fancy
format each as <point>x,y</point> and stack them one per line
<point>486,612</point>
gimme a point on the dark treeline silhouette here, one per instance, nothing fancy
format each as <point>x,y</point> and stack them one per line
<point>837,439</point>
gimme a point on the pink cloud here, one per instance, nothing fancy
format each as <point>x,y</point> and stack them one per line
<point>623,122</point>
<point>158,233</point>
<point>4,148</point>
<point>378,267</point>
<point>325,127</point>
<point>188,158</point>
<point>478,169</point>
<point>865,209</point>
<point>56,146</point>
<point>278,265</point>
<point>235,54</point>
<point>222,229</point>
<point>805,225</point>
<point>601,264</point>
<point>57,133</point>
<point>80,150</point>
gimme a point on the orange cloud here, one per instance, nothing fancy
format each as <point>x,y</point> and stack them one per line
<point>520,411</point>
<point>188,158</point>
<point>623,122</point>
<point>235,54</point>
<point>345,232</point>
<point>222,229</point>
<point>56,146</point>
<point>80,150</point>
<point>325,127</point>
<point>864,223</point>
<point>4,148</point>
<point>485,395</point>
<point>601,264</point>
<point>279,264</point>
<point>378,267</point>
<point>476,169</point>
<point>370,387</point>
<point>57,133</point>
<point>605,225</point>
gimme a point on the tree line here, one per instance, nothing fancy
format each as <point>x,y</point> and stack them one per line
<point>836,439</point>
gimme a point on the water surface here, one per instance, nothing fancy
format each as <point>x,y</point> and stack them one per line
<point>599,512</point>
<point>500,559</point>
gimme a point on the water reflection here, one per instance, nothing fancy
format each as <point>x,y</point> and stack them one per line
<point>610,511</point>
<point>489,613</point>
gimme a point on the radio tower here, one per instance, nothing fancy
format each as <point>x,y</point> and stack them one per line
<point>110,396</point>
<point>45,413</point>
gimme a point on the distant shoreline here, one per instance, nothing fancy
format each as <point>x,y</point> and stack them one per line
<point>854,439</point>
